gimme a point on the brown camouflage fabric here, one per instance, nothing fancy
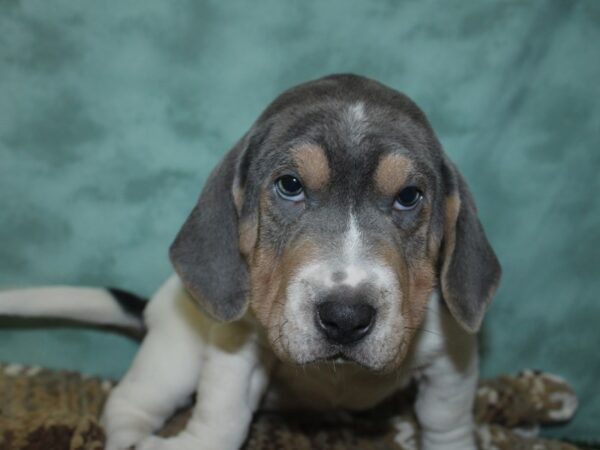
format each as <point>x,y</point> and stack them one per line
<point>42,409</point>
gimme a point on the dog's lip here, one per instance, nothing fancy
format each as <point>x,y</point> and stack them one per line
<point>342,355</point>
<point>343,358</point>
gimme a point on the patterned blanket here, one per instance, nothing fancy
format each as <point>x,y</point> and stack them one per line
<point>42,409</point>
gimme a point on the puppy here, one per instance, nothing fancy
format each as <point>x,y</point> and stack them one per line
<point>335,232</point>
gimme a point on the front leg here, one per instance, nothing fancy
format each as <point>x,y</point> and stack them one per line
<point>232,383</point>
<point>446,393</point>
<point>165,370</point>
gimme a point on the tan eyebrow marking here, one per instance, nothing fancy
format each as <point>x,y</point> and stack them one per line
<point>313,166</point>
<point>392,172</point>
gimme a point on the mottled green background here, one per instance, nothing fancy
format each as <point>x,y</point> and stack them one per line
<point>113,113</point>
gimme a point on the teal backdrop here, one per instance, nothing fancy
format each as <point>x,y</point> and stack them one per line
<point>112,114</point>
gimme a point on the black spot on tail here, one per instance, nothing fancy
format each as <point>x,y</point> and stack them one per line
<point>131,303</point>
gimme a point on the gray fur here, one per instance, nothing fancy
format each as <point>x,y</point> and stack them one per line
<point>206,254</point>
<point>473,269</point>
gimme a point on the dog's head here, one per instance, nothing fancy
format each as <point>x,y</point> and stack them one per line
<point>334,218</point>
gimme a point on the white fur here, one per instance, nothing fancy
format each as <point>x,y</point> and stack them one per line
<point>77,303</point>
<point>181,342</point>
<point>303,340</point>
<point>446,363</point>
<point>356,121</point>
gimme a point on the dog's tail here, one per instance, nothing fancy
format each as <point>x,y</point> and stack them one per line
<point>106,307</point>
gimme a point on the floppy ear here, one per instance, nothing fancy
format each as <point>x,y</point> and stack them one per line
<point>206,253</point>
<point>470,269</point>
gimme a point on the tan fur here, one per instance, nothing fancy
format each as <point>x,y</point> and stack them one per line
<point>238,197</point>
<point>392,172</point>
<point>421,284</point>
<point>265,283</point>
<point>312,165</point>
<point>247,236</point>
<point>452,210</point>
<point>270,275</point>
<point>417,281</point>
<point>434,242</point>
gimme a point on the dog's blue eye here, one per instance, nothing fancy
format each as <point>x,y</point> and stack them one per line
<point>290,188</point>
<point>408,198</point>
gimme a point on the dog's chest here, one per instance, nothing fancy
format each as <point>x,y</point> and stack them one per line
<point>327,386</point>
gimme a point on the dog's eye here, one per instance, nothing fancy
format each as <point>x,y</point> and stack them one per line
<point>290,188</point>
<point>408,198</point>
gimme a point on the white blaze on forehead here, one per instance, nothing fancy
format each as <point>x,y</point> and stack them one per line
<point>356,112</point>
<point>356,120</point>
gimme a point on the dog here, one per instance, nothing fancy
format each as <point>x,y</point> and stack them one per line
<point>335,233</point>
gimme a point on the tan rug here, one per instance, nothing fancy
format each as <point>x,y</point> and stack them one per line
<point>42,409</point>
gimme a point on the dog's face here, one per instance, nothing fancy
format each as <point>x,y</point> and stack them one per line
<point>334,218</point>
<point>343,245</point>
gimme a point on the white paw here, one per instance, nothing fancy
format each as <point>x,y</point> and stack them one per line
<point>125,425</point>
<point>406,436</point>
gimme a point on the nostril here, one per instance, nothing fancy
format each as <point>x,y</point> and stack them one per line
<point>330,324</point>
<point>360,327</point>
<point>363,315</point>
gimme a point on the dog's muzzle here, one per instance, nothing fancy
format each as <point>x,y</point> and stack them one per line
<point>356,318</point>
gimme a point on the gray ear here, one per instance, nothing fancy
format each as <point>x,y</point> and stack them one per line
<point>470,269</point>
<point>206,253</point>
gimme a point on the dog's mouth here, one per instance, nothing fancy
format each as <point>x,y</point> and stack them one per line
<point>345,357</point>
<point>339,358</point>
<point>364,357</point>
<point>342,360</point>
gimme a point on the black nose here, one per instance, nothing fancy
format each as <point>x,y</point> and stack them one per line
<point>345,323</point>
